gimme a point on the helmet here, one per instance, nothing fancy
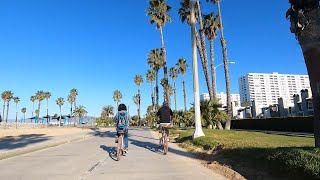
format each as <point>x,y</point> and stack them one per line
<point>122,107</point>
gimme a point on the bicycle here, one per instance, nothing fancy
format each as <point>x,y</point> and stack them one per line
<point>120,145</point>
<point>164,127</point>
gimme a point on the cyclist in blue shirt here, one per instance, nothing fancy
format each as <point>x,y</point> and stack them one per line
<point>122,124</point>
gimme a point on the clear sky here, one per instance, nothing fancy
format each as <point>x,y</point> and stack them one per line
<point>97,46</point>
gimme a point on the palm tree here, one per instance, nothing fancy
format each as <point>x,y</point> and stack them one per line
<point>117,96</point>
<point>71,101</point>
<point>107,111</point>
<point>24,110</point>
<point>184,13</point>
<point>80,111</point>
<point>40,97</point>
<point>209,109</point>
<point>47,96</point>
<point>155,61</point>
<point>138,80</point>
<point>173,75</point>
<point>225,64</point>
<point>60,102</point>
<point>182,69</point>
<point>211,26</point>
<point>151,77</point>
<point>7,96</point>
<point>16,100</point>
<point>308,36</point>
<point>158,12</point>
<point>32,99</point>
<point>74,94</point>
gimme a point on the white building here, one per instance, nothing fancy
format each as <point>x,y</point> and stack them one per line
<point>265,89</point>
<point>223,98</point>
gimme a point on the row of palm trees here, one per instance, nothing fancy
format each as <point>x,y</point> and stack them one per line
<point>39,96</point>
<point>209,24</point>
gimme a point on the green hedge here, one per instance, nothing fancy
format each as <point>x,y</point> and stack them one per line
<point>289,124</point>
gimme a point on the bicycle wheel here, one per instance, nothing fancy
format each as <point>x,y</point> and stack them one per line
<point>165,144</point>
<point>119,148</point>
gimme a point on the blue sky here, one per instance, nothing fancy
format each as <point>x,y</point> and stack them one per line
<point>98,46</point>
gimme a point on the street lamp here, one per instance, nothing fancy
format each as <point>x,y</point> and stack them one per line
<point>198,128</point>
<point>215,79</point>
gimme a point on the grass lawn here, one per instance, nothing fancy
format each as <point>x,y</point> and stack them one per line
<point>281,154</point>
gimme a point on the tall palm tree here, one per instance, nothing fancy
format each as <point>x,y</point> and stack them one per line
<point>16,100</point>
<point>32,99</point>
<point>71,101</point>
<point>211,26</point>
<point>24,110</point>
<point>117,96</point>
<point>184,13</point>
<point>80,111</point>
<point>7,95</point>
<point>107,111</point>
<point>40,97</point>
<point>60,103</point>
<point>155,61</point>
<point>138,80</point>
<point>158,12</point>
<point>173,75</point>
<point>182,69</point>
<point>308,36</point>
<point>225,64</point>
<point>47,96</point>
<point>74,94</point>
<point>151,76</point>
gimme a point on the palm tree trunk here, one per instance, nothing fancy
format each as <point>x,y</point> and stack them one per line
<point>205,57</point>
<point>4,106</point>
<point>213,71</point>
<point>139,106</point>
<point>39,106</point>
<point>75,109</point>
<point>152,95</point>
<point>60,117</point>
<point>24,117</point>
<point>184,94</point>
<point>310,45</point>
<point>165,69</point>
<point>7,111</point>
<point>157,89</point>
<point>70,114</point>
<point>226,70</point>
<point>16,115</point>
<point>175,94</point>
<point>47,112</point>
<point>32,109</point>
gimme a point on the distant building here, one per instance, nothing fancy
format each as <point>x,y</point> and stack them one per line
<point>266,89</point>
<point>235,98</point>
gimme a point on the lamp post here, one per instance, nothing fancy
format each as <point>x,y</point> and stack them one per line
<point>215,79</point>
<point>198,128</point>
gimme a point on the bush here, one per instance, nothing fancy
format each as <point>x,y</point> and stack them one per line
<point>206,143</point>
<point>290,124</point>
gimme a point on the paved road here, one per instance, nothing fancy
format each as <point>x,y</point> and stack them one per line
<point>94,158</point>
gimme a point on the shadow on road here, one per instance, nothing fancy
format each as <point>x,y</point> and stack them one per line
<point>112,151</point>
<point>14,142</point>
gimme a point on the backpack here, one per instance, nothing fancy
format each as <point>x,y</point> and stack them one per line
<point>122,121</point>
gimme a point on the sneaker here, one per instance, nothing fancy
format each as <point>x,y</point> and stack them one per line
<point>125,151</point>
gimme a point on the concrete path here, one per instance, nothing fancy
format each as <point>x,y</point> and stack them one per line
<point>94,158</point>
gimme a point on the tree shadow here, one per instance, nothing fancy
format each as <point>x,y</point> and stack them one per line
<point>112,151</point>
<point>15,142</point>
